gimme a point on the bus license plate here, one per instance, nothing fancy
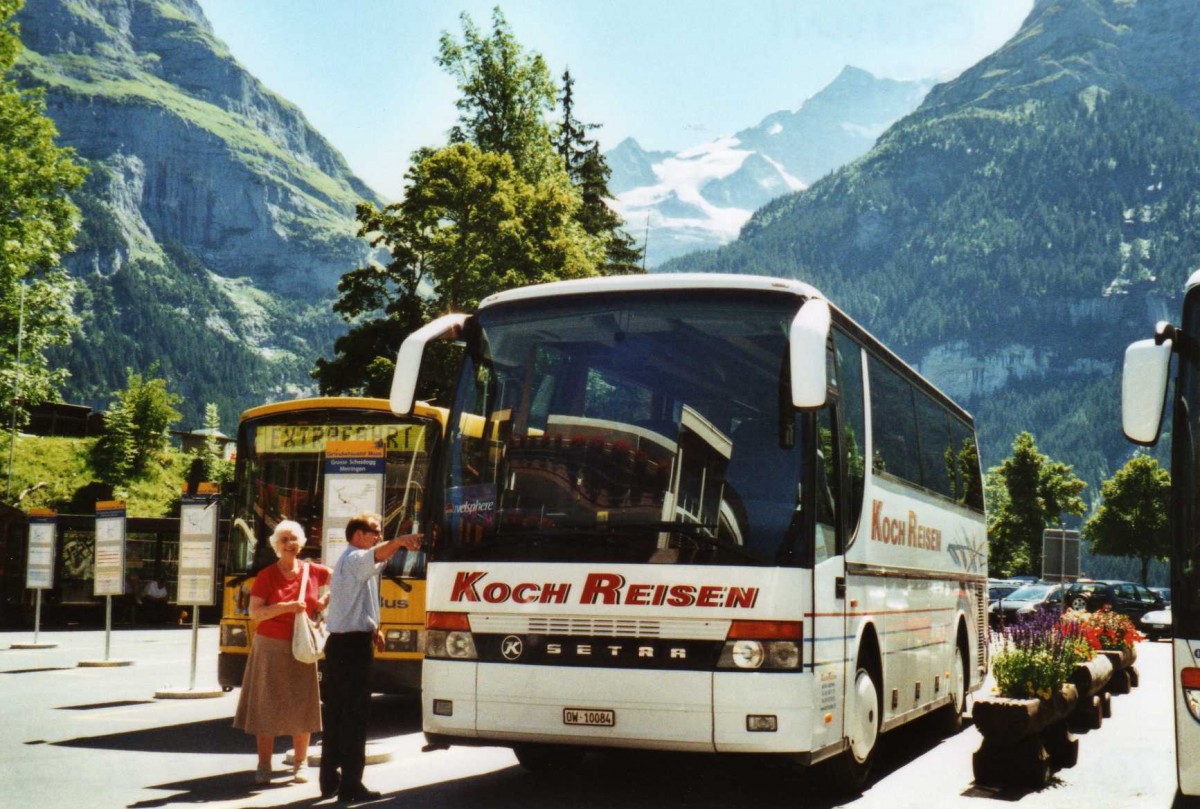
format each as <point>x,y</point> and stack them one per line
<point>590,717</point>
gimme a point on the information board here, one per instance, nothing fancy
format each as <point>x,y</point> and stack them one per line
<point>39,562</point>
<point>353,484</point>
<point>110,548</point>
<point>198,520</point>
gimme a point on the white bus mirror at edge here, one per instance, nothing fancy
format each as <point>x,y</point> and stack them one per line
<point>1144,390</point>
<point>808,336</point>
<point>408,360</point>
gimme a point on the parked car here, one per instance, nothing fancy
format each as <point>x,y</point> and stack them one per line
<point>1025,601</point>
<point>1165,592</point>
<point>1124,597</point>
<point>999,589</point>
<point>1156,624</point>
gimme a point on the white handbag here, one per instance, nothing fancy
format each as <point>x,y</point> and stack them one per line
<point>308,637</point>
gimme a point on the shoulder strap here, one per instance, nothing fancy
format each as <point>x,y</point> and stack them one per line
<point>303,582</point>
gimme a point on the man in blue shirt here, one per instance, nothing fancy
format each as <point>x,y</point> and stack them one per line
<point>353,621</point>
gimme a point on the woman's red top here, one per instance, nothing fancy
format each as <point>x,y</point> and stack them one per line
<point>272,587</point>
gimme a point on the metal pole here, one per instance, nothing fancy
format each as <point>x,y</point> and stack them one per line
<point>195,635</point>
<point>37,614</point>
<point>12,441</point>
<point>107,624</point>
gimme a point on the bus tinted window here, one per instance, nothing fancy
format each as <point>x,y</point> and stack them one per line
<point>893,424</point>
<point>854,423</point>
<point>968,483</point>
<point>938,461</point>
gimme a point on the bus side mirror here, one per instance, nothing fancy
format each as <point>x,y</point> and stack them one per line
<point>1144,390</point>
<point>807,338</point>
<point>408,360</point>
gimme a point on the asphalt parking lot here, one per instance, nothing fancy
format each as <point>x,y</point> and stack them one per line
<point>98,737</point>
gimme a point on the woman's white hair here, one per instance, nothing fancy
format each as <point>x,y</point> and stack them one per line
<point>287,527</point>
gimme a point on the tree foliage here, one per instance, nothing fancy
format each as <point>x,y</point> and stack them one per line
<point>136,428</point>
<point>506,94</point>
<point>1132,520</point>
<point>494,209</point>
<point>1028,492</point>
<point>37,224</point>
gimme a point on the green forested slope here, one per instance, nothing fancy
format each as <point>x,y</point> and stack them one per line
<point>1009,239</point>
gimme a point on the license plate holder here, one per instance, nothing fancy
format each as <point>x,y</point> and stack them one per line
<point>590,717</point>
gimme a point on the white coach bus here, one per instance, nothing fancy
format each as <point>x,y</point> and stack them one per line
<point>1144,391</point>
<point>699,513</point>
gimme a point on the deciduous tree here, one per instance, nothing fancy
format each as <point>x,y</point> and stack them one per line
<point>37,224</point>
<point>1132,519</point>
<point>136,427</point>
<point>1028,492</point>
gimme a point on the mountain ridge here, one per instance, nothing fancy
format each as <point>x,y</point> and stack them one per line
<point>1013,234</point>
<point>217,220</point>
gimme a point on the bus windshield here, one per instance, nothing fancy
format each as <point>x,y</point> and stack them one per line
<point>634,427</point>
<point>280,464</point>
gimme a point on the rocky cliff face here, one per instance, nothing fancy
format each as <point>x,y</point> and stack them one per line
<point>197,171</point>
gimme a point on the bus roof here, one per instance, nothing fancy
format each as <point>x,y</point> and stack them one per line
<point>651,282</point>
<point>341,403</point>
<point>728,281</point>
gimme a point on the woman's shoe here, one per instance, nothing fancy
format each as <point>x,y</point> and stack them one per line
<point>263,775</point>
<point>300,773</point>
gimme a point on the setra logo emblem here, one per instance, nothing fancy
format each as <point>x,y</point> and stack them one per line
<point>512,647</point>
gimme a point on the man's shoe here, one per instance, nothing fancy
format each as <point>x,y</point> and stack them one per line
<point>359,795</point>
<point>328,791</point>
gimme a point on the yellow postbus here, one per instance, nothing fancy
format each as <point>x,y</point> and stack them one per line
<point>281,452</point>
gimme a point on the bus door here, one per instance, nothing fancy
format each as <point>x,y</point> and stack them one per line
<point>827,653</point>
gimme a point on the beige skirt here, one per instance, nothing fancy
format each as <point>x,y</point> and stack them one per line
<point>280,695</point>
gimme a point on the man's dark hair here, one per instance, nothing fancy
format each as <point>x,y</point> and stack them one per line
<point>362,522</point>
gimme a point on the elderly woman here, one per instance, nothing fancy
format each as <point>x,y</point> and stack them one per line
<point>279,693</point>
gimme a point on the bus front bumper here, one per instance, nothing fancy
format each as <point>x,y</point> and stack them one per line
<point>683,711</point>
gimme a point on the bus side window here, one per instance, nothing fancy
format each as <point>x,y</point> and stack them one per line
<point>826,543</point>
<point>854,426</point>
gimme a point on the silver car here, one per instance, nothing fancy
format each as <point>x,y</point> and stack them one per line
<point>1156,624</point>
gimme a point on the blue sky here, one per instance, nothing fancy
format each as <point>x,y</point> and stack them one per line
<point>670,74</point>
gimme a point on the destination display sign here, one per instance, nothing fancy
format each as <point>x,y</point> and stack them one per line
<point>313,438</point>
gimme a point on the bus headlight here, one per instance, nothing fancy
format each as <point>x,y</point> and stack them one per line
<point>234,635</point>
<point>771,645</point>
<point>455,645</point>
<point>401,640</point>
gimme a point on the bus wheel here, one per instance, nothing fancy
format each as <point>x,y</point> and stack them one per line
<point>549,758</point>
<point>853,767</point>
<point>952,714</point>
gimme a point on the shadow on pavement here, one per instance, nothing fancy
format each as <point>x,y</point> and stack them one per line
<point>628,779</point>
<point>391,716</point>
<point>225,787</point>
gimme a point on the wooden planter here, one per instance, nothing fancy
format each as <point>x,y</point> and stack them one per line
<point>1125,674</point>
<point>1091,678</point>
<point>1024,740</point>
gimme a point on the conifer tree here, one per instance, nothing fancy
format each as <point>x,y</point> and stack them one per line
<point>589,172</point>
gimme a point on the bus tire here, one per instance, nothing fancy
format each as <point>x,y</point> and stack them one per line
<point>852,768</point>
<point>549,759</point>
<point>951,716</point>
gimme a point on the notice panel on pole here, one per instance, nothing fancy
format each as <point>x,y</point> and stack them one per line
<point>353,484</point>
<point>39,563</point>
<point>110,548</point>
<point>198,520</point>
